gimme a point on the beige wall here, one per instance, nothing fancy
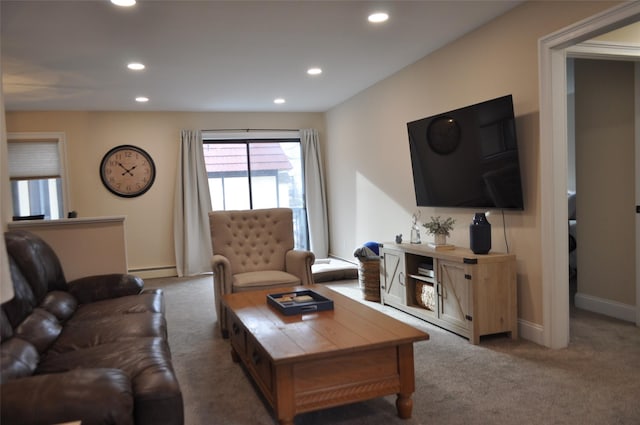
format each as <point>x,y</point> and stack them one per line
<point>149,218</point>
<point>605,176</point>
<point>370,189</point>
<point>629,34</point>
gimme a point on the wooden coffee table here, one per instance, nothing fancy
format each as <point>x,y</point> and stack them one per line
<point>312,361</point>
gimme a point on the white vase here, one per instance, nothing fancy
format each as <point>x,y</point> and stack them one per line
<point>440,239</point>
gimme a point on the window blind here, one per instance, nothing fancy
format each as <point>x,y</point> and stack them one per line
<point>33,159</point>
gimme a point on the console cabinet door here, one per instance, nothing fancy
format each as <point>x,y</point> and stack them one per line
<point>392,277</point>
<point>454,296</point>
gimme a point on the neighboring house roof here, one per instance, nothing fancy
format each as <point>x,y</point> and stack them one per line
<point>232,157</point>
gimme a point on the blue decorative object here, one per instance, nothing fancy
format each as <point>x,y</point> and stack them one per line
<point>480,234</point>
<point>373,246</point>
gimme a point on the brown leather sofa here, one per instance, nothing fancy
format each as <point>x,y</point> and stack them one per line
<point>93,350</point>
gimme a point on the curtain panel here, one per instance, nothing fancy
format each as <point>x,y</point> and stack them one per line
<point>191,208</point>
<point>315,194</point>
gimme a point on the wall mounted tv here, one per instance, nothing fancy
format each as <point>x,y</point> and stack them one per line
<point>467,157</point>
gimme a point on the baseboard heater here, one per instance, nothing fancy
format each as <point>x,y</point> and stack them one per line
<point>158,271</point>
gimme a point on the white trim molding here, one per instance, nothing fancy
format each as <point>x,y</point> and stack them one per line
<point>552,51</point>
<point>605,50</point>
<point>531,331</point>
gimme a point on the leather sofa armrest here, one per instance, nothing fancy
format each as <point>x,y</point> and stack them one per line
<point>95,288</point>
<point>88,395</point>
<point>299,263</point>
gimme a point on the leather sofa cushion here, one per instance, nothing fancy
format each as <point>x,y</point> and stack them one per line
<point>81,333</point>
<point>60,304</point>
<point>94,288</point>
<point>40,328</point>
<point>37,261</point>
<point>147,363</point>
<point>145,302</point>
<point>252,280</point>
<point>6,331</point>
<point>23,301</point>
<point>18,358</point>
<point>93,396</point>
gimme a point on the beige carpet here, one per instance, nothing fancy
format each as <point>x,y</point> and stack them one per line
<point>594,381</point>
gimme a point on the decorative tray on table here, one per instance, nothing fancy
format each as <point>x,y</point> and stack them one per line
<point>298,302</point>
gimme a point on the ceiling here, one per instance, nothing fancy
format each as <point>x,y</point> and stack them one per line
<point>210,55</point>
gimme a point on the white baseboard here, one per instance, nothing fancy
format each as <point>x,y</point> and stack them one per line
<point>534,332</point>
<point>609,308</point>
<point>530,331</point>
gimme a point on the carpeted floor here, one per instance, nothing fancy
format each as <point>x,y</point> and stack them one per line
<point>596,380</point>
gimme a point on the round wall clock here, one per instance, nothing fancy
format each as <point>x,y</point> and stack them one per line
<point>127,171</point>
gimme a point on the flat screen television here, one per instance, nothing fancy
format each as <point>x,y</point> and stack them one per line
<point>467,157</point>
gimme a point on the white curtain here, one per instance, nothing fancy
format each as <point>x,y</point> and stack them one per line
<point>315,195</point>
<point>191,210</point>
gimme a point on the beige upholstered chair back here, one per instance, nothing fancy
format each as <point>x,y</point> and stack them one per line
<point>252,240</point>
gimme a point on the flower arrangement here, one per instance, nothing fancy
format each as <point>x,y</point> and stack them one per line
<point>438,226</point>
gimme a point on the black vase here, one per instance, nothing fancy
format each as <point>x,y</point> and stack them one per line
<point>480,234</point>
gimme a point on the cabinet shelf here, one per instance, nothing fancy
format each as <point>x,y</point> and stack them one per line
<point>473,295</point>
<point>423,278</point>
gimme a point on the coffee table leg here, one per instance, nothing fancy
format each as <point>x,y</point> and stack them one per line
<point>234,355</point>
<point>284,396</point>
<point>404,405</point>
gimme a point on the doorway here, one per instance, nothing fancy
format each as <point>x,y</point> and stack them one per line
<point>603,211</point>
<point>553,159</point>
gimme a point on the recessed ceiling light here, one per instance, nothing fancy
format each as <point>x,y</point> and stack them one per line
<point>314,71</point>
<point>142,99</point>
<point>378,17</point>
<point>136,66</point>
<point>279,101</point>
<point>124,3</point>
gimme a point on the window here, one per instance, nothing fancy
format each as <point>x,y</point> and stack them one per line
<point>36,171</point>
<point>258,173</point>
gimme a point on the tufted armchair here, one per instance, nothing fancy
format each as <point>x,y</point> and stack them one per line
<point>253,249</point>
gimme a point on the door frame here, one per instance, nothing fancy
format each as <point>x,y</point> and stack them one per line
<point>552,52</point>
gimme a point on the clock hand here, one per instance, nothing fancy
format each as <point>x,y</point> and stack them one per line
<point>126,170</point>
<point>129,171</point>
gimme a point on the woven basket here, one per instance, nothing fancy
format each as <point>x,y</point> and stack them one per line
<point>369,279</point>
<point>425,296</point>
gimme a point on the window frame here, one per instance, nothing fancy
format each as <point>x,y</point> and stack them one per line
<point>60,139</point>
<point>263,136</point>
